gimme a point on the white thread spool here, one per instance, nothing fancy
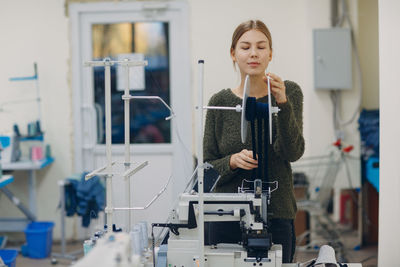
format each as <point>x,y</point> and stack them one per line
<point>145,237</point>
<point>136,261</point>
<point>138,228</point>
<point>136,242</point>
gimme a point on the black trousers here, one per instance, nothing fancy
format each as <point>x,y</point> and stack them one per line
<point>282,231</point>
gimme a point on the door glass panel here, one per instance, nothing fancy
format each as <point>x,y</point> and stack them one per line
<point>140,40</point>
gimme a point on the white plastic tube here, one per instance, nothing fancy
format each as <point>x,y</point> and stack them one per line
<point>200,170</point>
<point>127,143</point>
<point>136,242</point>
<point>107,92</point>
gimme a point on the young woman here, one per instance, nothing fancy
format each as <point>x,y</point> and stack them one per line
<point>251,52</point>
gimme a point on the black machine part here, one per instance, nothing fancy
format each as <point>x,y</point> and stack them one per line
<point>257,244</point>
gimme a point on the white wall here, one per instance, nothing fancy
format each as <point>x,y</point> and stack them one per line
<point>39,32</point>
<point>291,24</point>
<point>389,185</point>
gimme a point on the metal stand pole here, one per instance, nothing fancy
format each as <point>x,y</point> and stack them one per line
<point>18,203</point>
<point>73,255</point>
<point>107,171</point>
<point>200,170</point>
<point>127,162</point>
<point>107,92</point>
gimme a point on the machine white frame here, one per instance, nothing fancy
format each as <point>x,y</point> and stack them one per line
<point>127,168</point>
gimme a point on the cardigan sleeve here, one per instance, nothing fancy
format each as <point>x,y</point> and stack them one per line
<point>211,151</point>
<point>289,143</point>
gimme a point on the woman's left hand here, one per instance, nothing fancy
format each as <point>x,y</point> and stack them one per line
<point>278,88</point>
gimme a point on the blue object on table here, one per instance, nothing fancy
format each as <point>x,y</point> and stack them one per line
<point>39,238</point>
<point>5,141</point>
<point>8,256</point>
<point>372,171</point>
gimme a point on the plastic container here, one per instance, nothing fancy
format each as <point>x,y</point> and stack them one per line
<point>39,238</point>
<point>8,256</point>
<point>87,246</point>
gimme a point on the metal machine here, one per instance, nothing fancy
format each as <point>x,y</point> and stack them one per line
<point>186,245</point>
<point>256,248</point>
<point>247,208</point>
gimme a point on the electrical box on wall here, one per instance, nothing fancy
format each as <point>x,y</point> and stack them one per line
<point>332,59</point>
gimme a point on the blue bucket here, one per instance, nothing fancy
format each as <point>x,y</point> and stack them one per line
<point>39,239</point>
<point>8,256</point>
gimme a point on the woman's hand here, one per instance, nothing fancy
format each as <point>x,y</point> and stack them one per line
<point>244,160</point>
<point>278,88</point>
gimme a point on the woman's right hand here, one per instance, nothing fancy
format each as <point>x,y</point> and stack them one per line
<point>244,160</point>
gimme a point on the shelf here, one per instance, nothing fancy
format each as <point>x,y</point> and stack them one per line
<point>31,138</point>
<point>26,165</point>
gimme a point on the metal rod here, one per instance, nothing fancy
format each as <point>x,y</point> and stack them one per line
<point>334,13</point>
<point>95,172</point>
<point>223,108</point>
<point>126,114</point>
<point>32,192</point>
<point>266,149</point>
<point>38,99</point>
<point>63,254</point>
<point>63,213</point>
<point>107,63</point>
<point>31,216</point>
<point>268,127</point>
<point>200,170</point>
<point>191,182</point>
<point>97,63</point>
<point>151,201</point>
<point>129,172</point>
<point>107,92</point>
<point>127,142</point>
<point>152,97</point>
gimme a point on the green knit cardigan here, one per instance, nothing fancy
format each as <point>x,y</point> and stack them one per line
<point>222,139</point>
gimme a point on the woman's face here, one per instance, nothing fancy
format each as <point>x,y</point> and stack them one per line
<point>252,53</point>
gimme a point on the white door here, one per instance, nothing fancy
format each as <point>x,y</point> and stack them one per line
<point>157,32</point>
